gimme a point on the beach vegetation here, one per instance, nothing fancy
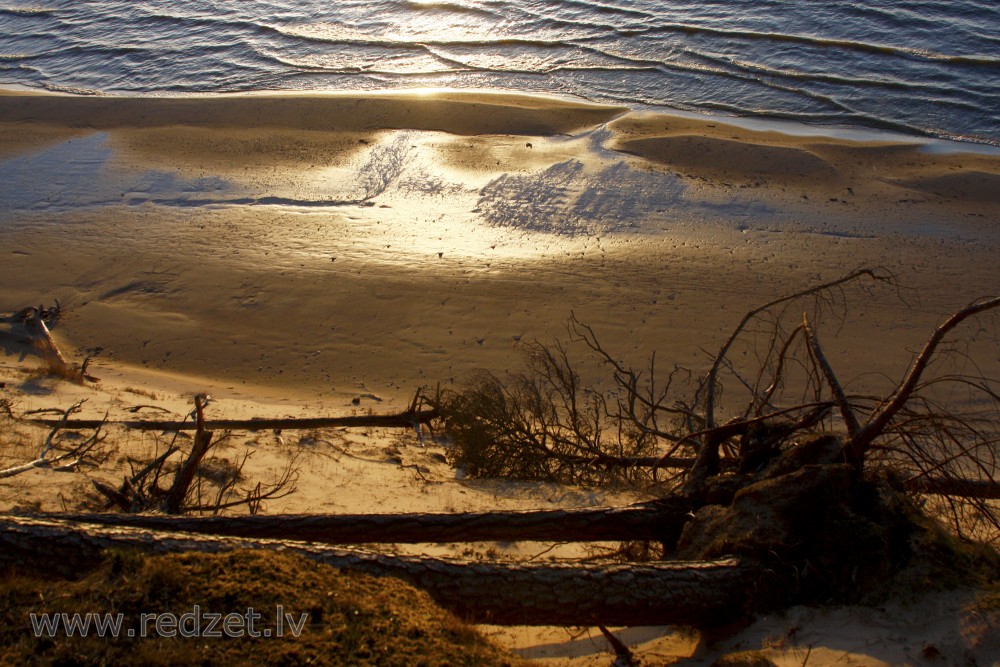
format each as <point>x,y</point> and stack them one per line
<point>832,493</point>
<point>349,618</point>
<point>198,483</point>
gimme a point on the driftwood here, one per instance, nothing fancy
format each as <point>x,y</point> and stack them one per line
<point>677,593</point>
<point>659,521</point>
<point>44,343</point>
<point>544,423</point>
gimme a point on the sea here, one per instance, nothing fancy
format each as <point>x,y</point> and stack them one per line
<point>924,68</point>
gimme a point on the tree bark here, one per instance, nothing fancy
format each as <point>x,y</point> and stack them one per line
<point>660,522</point>
<point>700,593</point>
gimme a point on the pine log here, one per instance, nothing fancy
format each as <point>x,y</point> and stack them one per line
<point>662,521</point>
<point>703,593</point>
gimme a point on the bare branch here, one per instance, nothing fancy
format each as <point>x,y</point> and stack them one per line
<point>883,415</point>
<point>712,379</point>
<point>185,475</point>
<point>70,458</point>
<point>850,419</point>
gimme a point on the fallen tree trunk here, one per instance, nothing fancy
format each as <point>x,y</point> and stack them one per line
<point>398,420</point>
<point>660,522</point>
<point>680,593</point>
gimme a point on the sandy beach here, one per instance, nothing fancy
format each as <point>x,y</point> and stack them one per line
<point>330,254</point>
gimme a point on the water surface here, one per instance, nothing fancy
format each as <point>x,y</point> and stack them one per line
<point>928,68</point>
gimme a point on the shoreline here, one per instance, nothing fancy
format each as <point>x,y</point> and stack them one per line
<point>723,154</point>
<point>489,97</point>
<point>448,111</point>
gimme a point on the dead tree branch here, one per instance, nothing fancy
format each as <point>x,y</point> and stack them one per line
<point>711,381</point>
<point>35,322</point>
<point>187,490</point>
<point>859,443</point>
<point>545,423</point>
<point>648,521</point>
<point>850,419</point>
<point>61,454</point>
<point>399,420</point>
<point>185,475</point>
<point>623,656</point>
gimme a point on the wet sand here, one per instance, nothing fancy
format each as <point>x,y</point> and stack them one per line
<point>312,247</point>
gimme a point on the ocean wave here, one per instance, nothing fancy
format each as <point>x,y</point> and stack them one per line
<point>416,63</point>
<point>919,67</point>
<point>218,25</point>
<point>827,42</point>
<point>846,117</point>
<point>606,8</point>
<point>330,33</point>
<point>533,58</point>
<point>759,69</point>
<point>94,50</point>
<point>436,62</point>
<point>629,61</point>
<point>72,90</point>
<point>985,37</point>
<point>20,69</point>
<point>453,7</point>
<point>27,11</point>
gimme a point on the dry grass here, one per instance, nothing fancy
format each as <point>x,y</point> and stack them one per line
<point>138,391</point>
<point>353,619</point>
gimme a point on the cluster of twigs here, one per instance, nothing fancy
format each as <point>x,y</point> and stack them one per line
<point>541,424</point>
<point>61,451</point>
<point>183,490</point>
<point>656,427</point>
<point>195,485</point>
